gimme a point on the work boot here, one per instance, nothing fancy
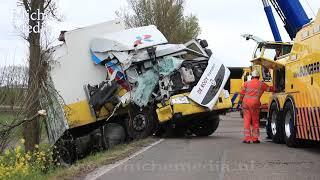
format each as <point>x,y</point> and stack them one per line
<point>256,142</point>
<point>246,142</point>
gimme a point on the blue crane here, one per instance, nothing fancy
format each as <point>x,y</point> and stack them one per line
<point>290,12</point>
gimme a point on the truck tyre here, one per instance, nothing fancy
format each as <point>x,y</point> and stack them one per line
<point>65,150</point>
<point>268,129</point>
<point>289,124</point>
<point>114,134</point>
<point>207,125</point>
<point>63,156</point>
<point>141,122</point>
<point>276,124</point>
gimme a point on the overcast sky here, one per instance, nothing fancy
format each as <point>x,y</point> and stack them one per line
<point>221,22</point>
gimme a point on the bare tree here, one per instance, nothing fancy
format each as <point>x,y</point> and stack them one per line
<point>38,12</point>
<point>167,15</point>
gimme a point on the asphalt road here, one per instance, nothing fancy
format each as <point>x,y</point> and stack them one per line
<point>220,156</point>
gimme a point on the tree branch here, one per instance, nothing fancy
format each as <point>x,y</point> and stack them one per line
<point>47,5</point>
<point>19,123</point>
<point>26,5</point>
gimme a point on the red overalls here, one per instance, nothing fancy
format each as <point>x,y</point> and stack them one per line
<point>251,93</point>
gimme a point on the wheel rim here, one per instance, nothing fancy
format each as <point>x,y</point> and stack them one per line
<point>273,123</point>
<point>139,122</point>
<point>288,124</point>
<point>64,155</point>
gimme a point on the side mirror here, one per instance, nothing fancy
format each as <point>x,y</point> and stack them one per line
<point>203,43</point>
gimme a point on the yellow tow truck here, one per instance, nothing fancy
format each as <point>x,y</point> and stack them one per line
<point>294,110</point>
<point>270,50</point>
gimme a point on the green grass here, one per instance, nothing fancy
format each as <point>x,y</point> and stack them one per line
<point>16,133</point>
<point>6,117</point>
<point>92,162</point>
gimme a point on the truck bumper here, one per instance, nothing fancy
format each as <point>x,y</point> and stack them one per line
<point>171,108</point>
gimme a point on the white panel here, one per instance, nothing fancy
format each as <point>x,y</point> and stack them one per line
<point>202,93</point>
<point>74,67</point>
<point>142,37</point>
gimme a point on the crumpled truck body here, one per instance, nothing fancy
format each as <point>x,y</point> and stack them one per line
<point>146,68</point>
<point>208,95</point>
<point>71,69</point>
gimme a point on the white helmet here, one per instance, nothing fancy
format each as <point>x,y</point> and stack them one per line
<point>255,73</point>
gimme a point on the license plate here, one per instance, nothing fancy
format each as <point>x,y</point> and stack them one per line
<point>180,100</point>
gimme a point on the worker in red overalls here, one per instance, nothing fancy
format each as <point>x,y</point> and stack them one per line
<point>250,101</point>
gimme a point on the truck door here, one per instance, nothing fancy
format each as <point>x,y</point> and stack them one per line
<point>278,71</point>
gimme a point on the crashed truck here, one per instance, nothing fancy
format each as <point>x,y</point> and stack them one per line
<point>118,84</point>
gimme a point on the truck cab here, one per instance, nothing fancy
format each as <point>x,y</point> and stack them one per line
<point>270,57</point>
<point>265,50</point>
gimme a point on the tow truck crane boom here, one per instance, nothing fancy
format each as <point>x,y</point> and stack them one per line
<point>290,12</point>
<point>271,20</point>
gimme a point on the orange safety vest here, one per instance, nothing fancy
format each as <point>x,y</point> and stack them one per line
<point>252,91</point>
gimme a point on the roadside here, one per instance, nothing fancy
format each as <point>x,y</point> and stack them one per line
<point>84,166</point>
<point>16,164</point>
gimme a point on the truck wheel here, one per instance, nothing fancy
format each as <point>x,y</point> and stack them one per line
<point>65,152</point>
<point>289,124</point>
<point>207,126</point>
<point>114,134</point>
<point>276,124</point>
<point>141,122</point>
<point>63,156</point>
<point>268,129</point>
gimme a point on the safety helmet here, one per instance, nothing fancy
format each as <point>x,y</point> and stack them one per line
<point>255,73</point>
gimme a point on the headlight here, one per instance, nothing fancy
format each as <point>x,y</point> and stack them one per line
<point>180,100</point>
<point>226,94</point>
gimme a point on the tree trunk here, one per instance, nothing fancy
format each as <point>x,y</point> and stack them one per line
<point>31,130</point>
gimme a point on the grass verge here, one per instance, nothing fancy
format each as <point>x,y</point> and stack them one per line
<point>6,117</point>
<point>92,162</point>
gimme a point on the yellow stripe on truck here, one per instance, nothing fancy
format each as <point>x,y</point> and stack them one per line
<point>79,114</point>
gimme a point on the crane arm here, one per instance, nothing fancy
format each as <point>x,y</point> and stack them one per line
<point>290,12</point>
<point>271,20</point>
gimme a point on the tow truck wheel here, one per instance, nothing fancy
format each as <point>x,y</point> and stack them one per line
<point>141,122</point>
<point>207,126</point>
<point>276,124</point>
<point>268,128</point>
<point>289,124</point>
